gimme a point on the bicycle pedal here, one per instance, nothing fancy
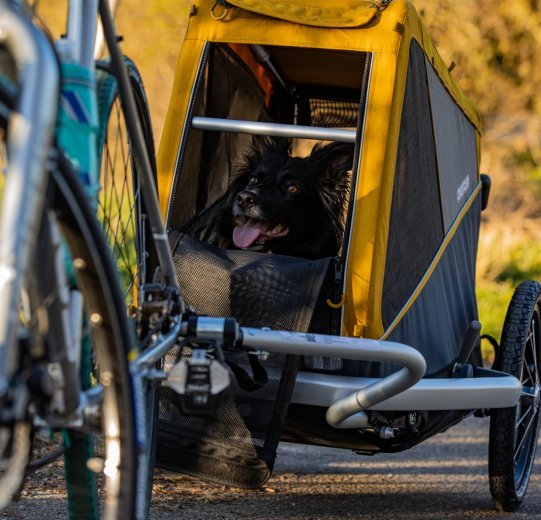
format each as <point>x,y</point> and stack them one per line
<point>198,380</point>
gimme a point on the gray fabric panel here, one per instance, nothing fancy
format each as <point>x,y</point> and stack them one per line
<point>437,322</point>
<point>456,149</point>
<point>416,224</point>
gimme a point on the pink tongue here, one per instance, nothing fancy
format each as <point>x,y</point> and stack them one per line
<point>244,236</point>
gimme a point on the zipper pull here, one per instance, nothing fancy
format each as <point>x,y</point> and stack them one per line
<point>337,295</point>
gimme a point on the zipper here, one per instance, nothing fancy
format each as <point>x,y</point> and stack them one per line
<point>336,298</point>
<point>340,261</point>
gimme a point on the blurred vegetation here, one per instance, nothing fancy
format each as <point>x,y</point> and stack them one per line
<point>496,46</point>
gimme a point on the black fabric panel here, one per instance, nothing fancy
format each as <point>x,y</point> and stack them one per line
<point>183,198</point>
<point>456,149</point>
<point>237,444</point>
<point>437,322</point>
<point>233,93</point>
<point>416,227</point>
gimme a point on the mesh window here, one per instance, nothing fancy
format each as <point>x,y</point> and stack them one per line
<point>236,445</point>
<point>416,227</point>
<point>326,112</point>
<point>228,87</point>
<point>456,149</point>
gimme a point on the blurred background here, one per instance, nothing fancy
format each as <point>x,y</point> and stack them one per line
<point>496,48</point>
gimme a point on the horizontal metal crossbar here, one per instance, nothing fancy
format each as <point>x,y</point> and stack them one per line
<point>428,394</point>
<point>274,129</point>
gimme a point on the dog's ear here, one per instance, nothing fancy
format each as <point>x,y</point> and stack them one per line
<point>338,157</point>
<point>336,160</point>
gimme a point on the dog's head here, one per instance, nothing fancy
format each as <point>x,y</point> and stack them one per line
<point>291,205</point>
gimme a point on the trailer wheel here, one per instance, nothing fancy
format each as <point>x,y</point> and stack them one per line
<point>513,431</point>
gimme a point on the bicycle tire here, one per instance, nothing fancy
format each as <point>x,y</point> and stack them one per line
<point>121,409</point>
<point>119,417</point>
<point>514,431</point>
<point>140,253</point>
<point>67,205</point>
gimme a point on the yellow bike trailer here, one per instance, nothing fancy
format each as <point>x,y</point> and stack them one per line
<point>364,72</point>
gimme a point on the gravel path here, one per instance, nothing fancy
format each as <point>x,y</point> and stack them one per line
<point>445,477</point>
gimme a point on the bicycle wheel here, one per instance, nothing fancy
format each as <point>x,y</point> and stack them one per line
<point>121,209</point>
<point>43,389</point>
<point>514,431</point>
<point>15,438</point>
<point>120,203</point>
<point>113,419</point>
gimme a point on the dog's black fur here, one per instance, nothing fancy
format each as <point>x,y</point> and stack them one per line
<point>281,204</point>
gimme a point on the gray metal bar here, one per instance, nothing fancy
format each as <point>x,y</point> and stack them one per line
<point>81,34</point>
<point>347,412</point>
<point>99,45</point>
<point>274,129</point>
<point>428,394</point>
<point>263,55</point>
<point>148,358</point>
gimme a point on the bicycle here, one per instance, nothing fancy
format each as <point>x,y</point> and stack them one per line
<point>65,348</point>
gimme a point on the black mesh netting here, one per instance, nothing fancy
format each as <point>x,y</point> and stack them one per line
<point>416,225</point>
<point>332,113</point>
<point>237,444</point>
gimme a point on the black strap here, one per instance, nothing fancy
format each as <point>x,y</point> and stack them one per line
<point>244,380</point>
<point>492,341</point>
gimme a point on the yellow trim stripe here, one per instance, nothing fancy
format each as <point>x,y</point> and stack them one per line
<point>434,263</point>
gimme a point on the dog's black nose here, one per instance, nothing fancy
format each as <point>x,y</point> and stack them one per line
<point>245,199</point>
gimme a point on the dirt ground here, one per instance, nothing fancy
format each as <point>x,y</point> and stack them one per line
<point>444,478</point>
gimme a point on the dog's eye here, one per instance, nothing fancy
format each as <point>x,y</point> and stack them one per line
<point>253,180</point>
<point>293,188</point>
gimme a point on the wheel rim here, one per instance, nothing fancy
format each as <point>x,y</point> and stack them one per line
<point>527,418</point>
<point>15,440</point>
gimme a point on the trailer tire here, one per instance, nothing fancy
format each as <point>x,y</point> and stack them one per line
<point>514,431</point>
